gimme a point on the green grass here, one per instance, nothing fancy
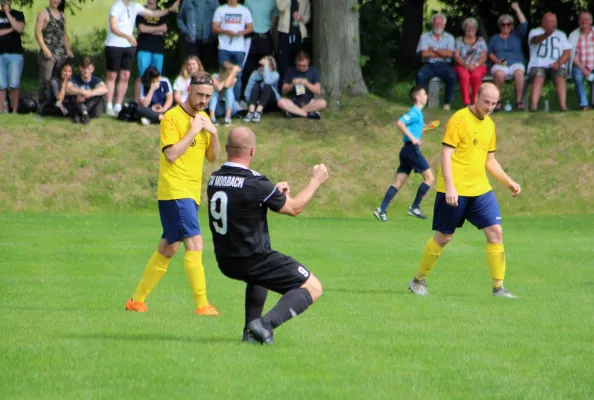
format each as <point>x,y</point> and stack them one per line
<point>64,280</point>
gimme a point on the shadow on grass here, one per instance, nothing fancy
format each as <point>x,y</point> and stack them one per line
<point>366,291</point>
<point>149,337</point>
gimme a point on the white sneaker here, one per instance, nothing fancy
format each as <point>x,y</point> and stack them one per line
<point>109,111</point>
<point>145,121</point>
<point>502,292</point>
<point>228,121</point>
<point>418,287</point>
<point>117,108</point>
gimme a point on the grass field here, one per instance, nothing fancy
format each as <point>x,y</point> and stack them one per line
<point>65,335</point>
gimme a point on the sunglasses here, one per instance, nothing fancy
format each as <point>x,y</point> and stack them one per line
<point>204,79</point>
<point>506,24</point>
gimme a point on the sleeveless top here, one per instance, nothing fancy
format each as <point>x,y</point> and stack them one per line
<point>53,34</point>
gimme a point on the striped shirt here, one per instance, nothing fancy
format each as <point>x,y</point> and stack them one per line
<point>445,42</point>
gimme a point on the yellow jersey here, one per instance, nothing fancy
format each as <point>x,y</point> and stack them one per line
<point>181,179</point>
<point>473,139</point>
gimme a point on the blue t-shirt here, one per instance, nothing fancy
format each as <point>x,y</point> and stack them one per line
<point>414,122</point>
<point>509,49</point>
<point>159,95</point>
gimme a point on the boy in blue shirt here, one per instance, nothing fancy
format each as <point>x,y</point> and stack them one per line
<point>412,125</point>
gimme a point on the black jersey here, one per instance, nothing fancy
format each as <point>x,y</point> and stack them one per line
<point>238,200</point>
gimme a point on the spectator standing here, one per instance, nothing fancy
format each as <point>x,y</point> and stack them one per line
<point>470,56</point>
<point>120,47</point>
<point>549,52</point>
<point>265,17</point>
<point>293,15</point>
<point>437,49</point>
<point>54,44</point>
<point>56,103</point>
<point>232,22</point>
<point>582,57</point>
<point>156,97</point>
<point>507,55</point>
<point>88,92</point>
<point>151,43</point>
<point>303,88</point>
<point>261,89</point>
<point>195,23</point>
<point>190,68</point>
<point>12,25</point>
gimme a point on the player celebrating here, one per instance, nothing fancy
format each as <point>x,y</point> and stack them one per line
<point>239,199</point>
<point>412,125</point>
<point>464,192</point>
<point>187,136</point>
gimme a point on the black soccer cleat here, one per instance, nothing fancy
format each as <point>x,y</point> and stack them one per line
<point>260,332</point>
<point>248,336</point>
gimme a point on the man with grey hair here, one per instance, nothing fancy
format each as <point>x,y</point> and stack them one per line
<point>437,49</point>
<point>549,52</point>
<point>507,55</point>
<point>582,56</point>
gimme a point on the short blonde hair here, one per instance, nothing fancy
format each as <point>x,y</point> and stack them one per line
<point>469,21</point>
<point>505,18</point>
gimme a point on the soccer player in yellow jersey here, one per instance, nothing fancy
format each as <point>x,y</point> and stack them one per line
<point>464,192</point>
<point>187,136</point>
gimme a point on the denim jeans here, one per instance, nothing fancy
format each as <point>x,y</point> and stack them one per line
<point>443,71</point>
<point>580,86</point>
<point>11,69</point>
<point>218,106</point>
<point>234,57</point>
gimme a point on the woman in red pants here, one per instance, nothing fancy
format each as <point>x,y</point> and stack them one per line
<point>470,56</point>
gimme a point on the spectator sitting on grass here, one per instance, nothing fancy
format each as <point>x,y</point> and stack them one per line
<point>302,85</point>
<point>88,90</point>
<point>224,82</point>
<point>261,89</point>
<point>156,97</point>
<point>190,68</point>
<point>56,99</point>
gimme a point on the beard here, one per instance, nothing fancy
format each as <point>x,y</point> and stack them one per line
<point>438,31</point>
<point>198,106</point>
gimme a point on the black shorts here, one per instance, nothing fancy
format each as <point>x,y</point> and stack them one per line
<point>411,159</point>
<point>273,270</point>
<point>303,100</point>
<point>119,58</point>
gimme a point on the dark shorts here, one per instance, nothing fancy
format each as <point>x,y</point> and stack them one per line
<point>273,270</point>
<point>302,100</point>
<point>547,72</point>
<point>411,159</point>
<point>119,58</point>
<point>179,219</point>
<point>482,211</point>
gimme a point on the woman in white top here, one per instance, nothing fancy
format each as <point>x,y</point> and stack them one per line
<point>120,47</point>
<point>191,67</point>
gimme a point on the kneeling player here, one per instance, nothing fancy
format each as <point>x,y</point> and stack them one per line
<point>239,199</point>
<point>412,125</point>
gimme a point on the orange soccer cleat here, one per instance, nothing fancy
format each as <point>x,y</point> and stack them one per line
<point>207,310</point>
<point>138,306</point>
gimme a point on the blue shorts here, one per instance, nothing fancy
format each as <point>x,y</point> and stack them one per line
<point>11,69</point>
<point>411,159</point>
<point>146,59</point>
<point>482,211</point>
<point>179,219</point>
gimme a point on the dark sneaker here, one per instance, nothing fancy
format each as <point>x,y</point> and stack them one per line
<point>380,215</point>
<point>314,115</point>
<point>418,287</point>
<point>76,119</point>
<point>85,119</point>
<point>257,117</point>
<point>249,117</point>
<point>416,212</point>
<point>502,292</point>
<point>248,337</point>
<point>289,115</point>
<point>261,333</point>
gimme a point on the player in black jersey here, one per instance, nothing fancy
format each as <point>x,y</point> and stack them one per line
<point>238,200</point>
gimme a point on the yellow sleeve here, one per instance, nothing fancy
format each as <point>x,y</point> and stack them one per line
<point>492,143</point>
<point>453,136</point>
<point>169,132</point>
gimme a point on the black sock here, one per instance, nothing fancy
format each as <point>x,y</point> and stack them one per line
<point>420,194</point>
<point>293,303</point>
<point>255,297</point>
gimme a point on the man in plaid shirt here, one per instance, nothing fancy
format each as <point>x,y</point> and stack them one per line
<point>582,56</point>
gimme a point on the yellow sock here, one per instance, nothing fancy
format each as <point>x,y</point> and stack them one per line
<point>496,261</point>
<point>195,271</point>
<point>154,271</point>
<point>428,259</point>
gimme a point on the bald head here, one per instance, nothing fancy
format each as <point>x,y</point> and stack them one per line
<point>488,89</point>
<point>488,96</point>
<point>240,142</point>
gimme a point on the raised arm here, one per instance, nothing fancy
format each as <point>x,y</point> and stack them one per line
<point>147,12</point>
<point>295,205</point>
<point>516,7</point>
<point>494,168</point>
<point>214,147</point>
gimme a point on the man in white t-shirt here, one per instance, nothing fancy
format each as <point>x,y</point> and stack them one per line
<point>232,22</point>
<point>549,52</point>
<point>120,47</point>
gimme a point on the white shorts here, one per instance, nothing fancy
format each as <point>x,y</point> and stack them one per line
<point>508,70</point>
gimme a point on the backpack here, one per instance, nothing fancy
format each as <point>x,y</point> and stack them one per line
<point>128,113</point>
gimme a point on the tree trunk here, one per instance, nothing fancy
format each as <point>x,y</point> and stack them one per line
<point>337,52</point>
<point>412,27</point>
